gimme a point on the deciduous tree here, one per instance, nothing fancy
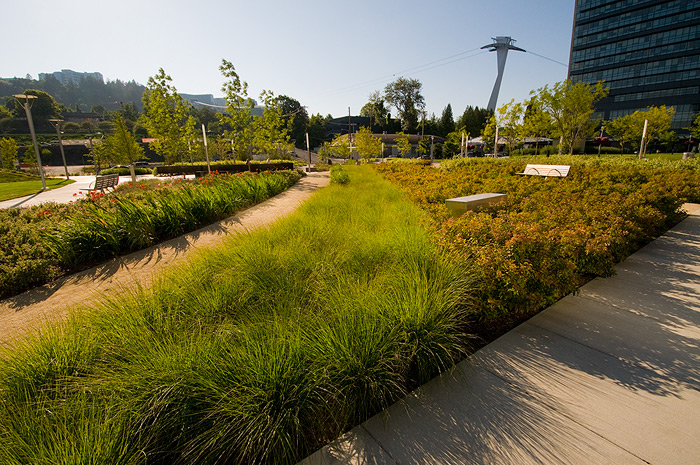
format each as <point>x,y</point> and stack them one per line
<point>8,153</point>
<point>121,147</point>
<point>340,146</point>
<point>508,118</point>
<point>165,117</point>
<point>240,112</point>
<point>375,110</point>
<point>695,127</point>
<point>658,123</point>
<point>366,144</point>
<point>403,144</point>
<point>405,95</point>
<point>537,123</point>
<point>270,131</point>
<point>44,107</point>
<point>620,130</point>
<point>571,107</point>
<point>296,119</point>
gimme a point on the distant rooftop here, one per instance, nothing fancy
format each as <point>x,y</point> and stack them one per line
<point>68,75</point>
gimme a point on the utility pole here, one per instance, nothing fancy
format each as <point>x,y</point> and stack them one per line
<point>57,124</point>
<point>28,110</point>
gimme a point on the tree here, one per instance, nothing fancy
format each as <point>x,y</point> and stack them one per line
<point>424,145</point>
<point>240,112</point>
<point>453,142</point>
<point>571,107</point>
<point>508,118</point>
<point>44,107</point>
<point>537,123</point>
<point>620,129</point>
<point>403,144</point>
<point>446,124</point>
<point>658,123</point>
<point>474,119</point>
<point>98,152</point>
<point>669,140</point>
<point>8,153</point>
<point>269,131</point>
<point>317,129</point>
<point>165,117</point>
<point>296,119</point>
<point>375,110</point>
<point>340,146</point>
<point>405,95</point>
<point>366,144</point>
<point>5,119</point>
<point>129,112</point>
<point>121,147</point>
<point>695,127</point>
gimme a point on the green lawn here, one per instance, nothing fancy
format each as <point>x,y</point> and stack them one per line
<point>13,190</point>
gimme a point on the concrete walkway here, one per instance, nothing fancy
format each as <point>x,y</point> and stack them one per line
<point>609,376</point>
<point>64,194</point>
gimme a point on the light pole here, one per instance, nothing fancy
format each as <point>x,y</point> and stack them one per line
<point>57,124</point>
<point>28,109</point>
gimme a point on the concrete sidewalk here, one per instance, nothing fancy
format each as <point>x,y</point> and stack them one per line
<point>64,194</point>
<point>609,376</point>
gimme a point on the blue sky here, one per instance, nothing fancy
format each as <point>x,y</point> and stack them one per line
<point>328,55</point>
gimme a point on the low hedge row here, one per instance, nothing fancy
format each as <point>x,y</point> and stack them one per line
<point>221,168</point>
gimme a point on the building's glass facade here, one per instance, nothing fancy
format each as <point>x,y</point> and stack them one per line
<point>646,51</point>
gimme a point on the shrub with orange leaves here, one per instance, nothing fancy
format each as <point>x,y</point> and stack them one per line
<point>550,234</point>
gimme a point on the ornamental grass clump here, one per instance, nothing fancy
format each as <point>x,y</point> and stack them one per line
<point>122,223</point>
<point>258,351</point>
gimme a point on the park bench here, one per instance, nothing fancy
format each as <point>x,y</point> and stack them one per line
<point>559,171</point>
<point>104,182</point>
<point>460,205</point>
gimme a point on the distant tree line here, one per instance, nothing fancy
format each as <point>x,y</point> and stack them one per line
<point>88,94</point>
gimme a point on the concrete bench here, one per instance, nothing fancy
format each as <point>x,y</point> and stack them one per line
<point>104,182</point>
<point>559,171</point>
<point>460,205</point>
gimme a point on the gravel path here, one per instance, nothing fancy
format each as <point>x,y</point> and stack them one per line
<point>23,314</point>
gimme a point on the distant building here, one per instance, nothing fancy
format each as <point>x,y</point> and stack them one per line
<point>214,103</point>
<point>344,124</point>
<point>646,51</point>
<point>66,76</point>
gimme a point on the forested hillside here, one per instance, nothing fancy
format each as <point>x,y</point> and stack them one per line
<point>85,96</point>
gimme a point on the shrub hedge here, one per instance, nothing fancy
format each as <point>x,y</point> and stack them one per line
<point>551,234</point>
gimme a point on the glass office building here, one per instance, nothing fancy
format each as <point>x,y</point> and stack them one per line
<point>646,51</point>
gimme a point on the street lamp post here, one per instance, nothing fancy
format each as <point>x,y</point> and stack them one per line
<point>28,109</point>
<point>57,124</point>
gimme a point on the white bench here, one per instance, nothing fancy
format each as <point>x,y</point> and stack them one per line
<point>559,171</point>
<point>460,205</point>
